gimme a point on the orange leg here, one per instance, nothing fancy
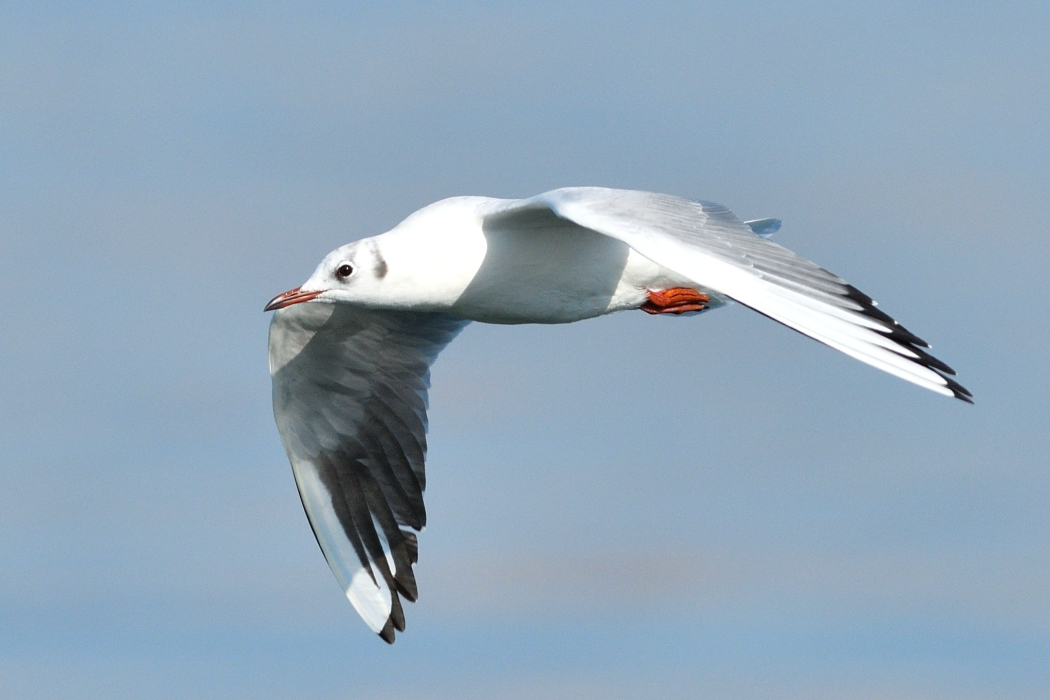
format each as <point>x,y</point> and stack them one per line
<point>675,301</point>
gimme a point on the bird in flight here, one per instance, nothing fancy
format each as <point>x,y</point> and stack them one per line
<point>350,350</point>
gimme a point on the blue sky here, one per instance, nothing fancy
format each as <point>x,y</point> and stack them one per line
<point>631,506</point>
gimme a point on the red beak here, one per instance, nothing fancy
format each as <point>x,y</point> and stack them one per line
<point>293,296</point>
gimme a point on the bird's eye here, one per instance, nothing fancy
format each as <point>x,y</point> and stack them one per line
<point>344,271</point>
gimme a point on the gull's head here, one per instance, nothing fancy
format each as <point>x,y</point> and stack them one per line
<point>423,264</point>
<point>352,274</point>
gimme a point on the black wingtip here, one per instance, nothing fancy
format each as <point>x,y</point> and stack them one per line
<point>961,392</point>
<point>927,360</point>
<point>894,330</point>
<point>397,613</point>
<point>932,362</point>
<point>909,341</point>
<point>387,633</point>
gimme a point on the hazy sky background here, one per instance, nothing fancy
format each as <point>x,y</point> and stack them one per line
<point>628,507</point>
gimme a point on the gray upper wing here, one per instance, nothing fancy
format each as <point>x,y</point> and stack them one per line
<point>350,401</point>
<point>707,243</point>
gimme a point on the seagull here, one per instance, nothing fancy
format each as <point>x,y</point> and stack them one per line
<point>350,350</point>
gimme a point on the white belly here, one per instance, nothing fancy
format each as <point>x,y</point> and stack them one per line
<point>559,275</point>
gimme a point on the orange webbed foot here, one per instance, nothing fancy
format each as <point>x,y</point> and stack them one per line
<point>678,300</point>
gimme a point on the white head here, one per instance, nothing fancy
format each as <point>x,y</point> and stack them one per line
<point>424,263</point>
<point>350,274</point>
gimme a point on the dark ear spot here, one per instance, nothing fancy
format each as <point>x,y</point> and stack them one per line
<point>380,269</point>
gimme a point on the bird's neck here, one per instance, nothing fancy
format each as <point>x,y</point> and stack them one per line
<point>432,256</point>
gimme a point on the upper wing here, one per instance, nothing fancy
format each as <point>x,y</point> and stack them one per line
<point>350,399</point>
<point>710,245</point>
